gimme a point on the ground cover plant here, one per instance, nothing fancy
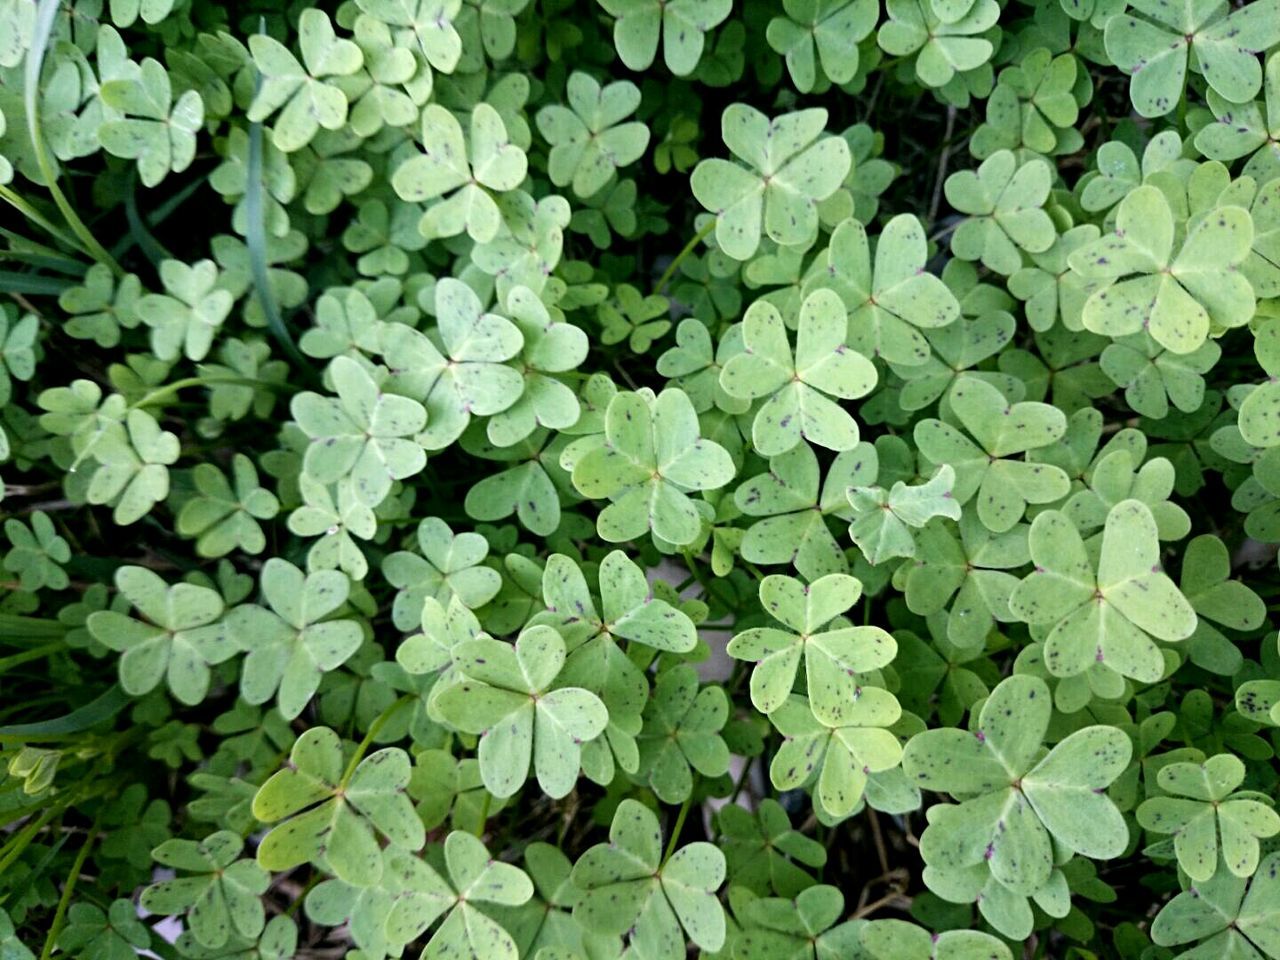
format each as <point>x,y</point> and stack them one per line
<point>648,479</point>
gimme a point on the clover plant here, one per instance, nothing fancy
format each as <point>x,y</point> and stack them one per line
<point>640,480</point>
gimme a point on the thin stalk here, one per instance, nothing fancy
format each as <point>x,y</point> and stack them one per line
<point>64,902</point>
<point>302,895</point>
<point>19,203</point>
<point>679,827</point>
<point>170,389</point>
<point>484,815</point>
<point>696,239</point>
<point>46,11</point>
<point>20,840</point>
<point>35,653</point>
<point>374,729</point>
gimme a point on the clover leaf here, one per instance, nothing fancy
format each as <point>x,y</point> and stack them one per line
<point>326,816</point>
<point>1206,583</point>
<point>680,24</point>
<point>1108,612</point>
<point>424,26</point>
<point>942,49</point>
<point>15,950</point>
<point>635,318</point>
<point>1119,171</point>
<point>308,91</point>
<point>840,755</point>
<point>1179,298</point>
<point>293,644</point>
<point>544,926</point>
<point>451,565</point>
<point>466,167</point>
<point>38,553</point>
<point>682,725</point>
<point>629,889</point>
<point>588,140</point>
<point>1012,799</point>
<point>95,934</point>
<point>362,433</point>
<point>101,306</point>
<point>185,318</point>
<point>335,516</point>
<point>694,363</point>
<point>1003,486</point>
<point>830,28</point>
<point>833,658</point>
<point>652,457</point>
<point>221,896</point>
<point>794,499</point>
<point>1033,106</point>
<point>790,169</point>
<point>594,636</point>
<point>891,303</point>
<point>1250,128</point>
<point>510,698</point>
<point>1233,916</point>
<point>225,518</point>
<point>1153,376</point>
<point>764,852</point>
<point>882,521</point>
<point>967,576</point>
<point>526,488</point>
<point>550,348</point>
<point>469,377</point>
<point>803,928</point>
<point>1004,200</point>
<point>1257,410</point>
<point>1156,50</point>
<point>899,940</point>
<point>156,131</point>
<point>474,878</point>
<point>799,386</point>
<point>1052,291</point>
<point>1207,816</point>
<point>181,638</point>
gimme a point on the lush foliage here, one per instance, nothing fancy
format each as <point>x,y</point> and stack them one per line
<point>585,479</point>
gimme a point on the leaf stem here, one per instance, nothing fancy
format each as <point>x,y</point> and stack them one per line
<point>20,203</point>
<point>256,239</point>
<point>484,814</point>
<point>35,653</point>
<point>60,914</point>
<point>45,14</point>
<point>170,389</point>
<point>696,239</point>
<point>374,729</point>
<point>679,827</point>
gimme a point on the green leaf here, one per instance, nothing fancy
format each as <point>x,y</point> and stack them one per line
<point>799,385</point>
<point>680,24</point>
<point>221,896</point>
<point>329,819</point>
<point>652,457</point>
<point>626,889</point>
<point>1109,612</point>
<point>510,698</point>
<point>681,734</point>
<point>834,658</point>
<point>182,636</point>
<point>1003,199</point>
<point>1180,298</point>
<point>588,140</point>
<point>790,168</point>
<point>1003,486</point>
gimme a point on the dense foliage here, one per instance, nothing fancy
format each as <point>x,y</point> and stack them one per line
<point>585,479</point>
